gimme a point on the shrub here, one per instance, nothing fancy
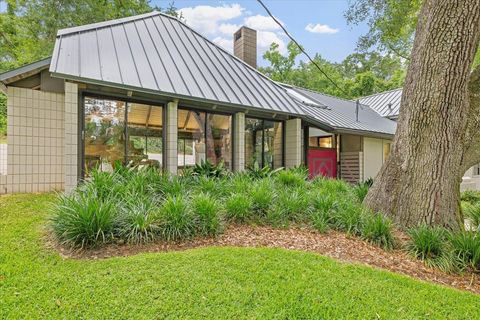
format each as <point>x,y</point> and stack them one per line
<point>208,169</point>
<point>208,217</point>
<point>290,206</point>
<point>291,178</point>
<point>466,249</point>
<point>176,220</point>
<point>256,172</point>
<point>348,218</point>
<point>360,191</point>
<point>472,211</point>
<point>377,229</point>
<point>261,196</point>
<point>138,219</point>
<point>239,207</point>
<point>83,219</point>
<point>470,196</point>
<point>429,244</point>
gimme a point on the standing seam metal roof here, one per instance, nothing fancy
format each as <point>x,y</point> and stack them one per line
<point>160,53</point>
<point>387,103</point>
<point>341,114</point>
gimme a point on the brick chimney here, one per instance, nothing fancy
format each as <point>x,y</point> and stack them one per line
<point>245,45</point>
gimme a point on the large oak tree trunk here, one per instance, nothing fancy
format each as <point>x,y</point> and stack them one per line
<point>439,120</point>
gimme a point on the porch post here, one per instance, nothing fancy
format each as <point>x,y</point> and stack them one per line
<point>171,137</point>
<point>71,136</point>
<point>239,141</point>
<point>293,143</point>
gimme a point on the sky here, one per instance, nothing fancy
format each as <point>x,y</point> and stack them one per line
<point>318,25</point>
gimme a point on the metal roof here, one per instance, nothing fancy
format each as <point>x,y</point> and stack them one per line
<point>340,114</point>
<point>158,53</point>
<point>387,103</point>
<point>24,71</point>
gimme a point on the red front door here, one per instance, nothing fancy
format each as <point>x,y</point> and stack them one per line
<point>322,162</point>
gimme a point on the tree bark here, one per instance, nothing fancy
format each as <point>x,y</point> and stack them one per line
<point>438,132</point>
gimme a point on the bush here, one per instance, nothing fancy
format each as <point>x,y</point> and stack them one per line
<point>472,211</point>
<point>290,206</point>
<point>470,196</point>
<point>348,218</point>
<point>430,245</point>
<point>291,178</point>
<point>360,191</point>
<point>256,172</point>
<point>261,196</point>
<point>239,207</point>
<point>377,229</point>
<point>138,221</point>
<point>84,219</point>
<point>466,250</point>
<point>208,215</point>
<point>176,220</point>
<point>208,169</point>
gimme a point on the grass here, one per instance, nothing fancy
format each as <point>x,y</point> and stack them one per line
<point>225,283</point>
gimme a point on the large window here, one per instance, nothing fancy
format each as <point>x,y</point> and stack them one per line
<point>263,143</point>
<point>117,131</point>
<point>203,136</point>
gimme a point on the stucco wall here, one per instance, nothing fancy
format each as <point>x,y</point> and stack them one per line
<point>35,139</point>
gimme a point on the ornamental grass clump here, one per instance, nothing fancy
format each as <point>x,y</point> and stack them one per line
<point>261,195</point>
<point>176,220</point>
<point>290,206</point>
<point>466,250</point>
<point>208,214</point>
<point>84,219</point>
<point>291,178</point>
<point>377,229</point>
<point>138,219</point>
<point>472,212</point>
<point>239,208</point>
<point>430,244</point>
<point>348,218</point>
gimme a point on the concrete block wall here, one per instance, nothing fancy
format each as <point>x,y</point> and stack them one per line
<point>71,136</point>
<point>277,146</point>
<point>35,141</point>
<point>239,142</point>
<point>171,137</point>
<point>293,143</point>
<point>3,159</point>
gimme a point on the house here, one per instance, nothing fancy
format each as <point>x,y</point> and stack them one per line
<point>150,90</point>
<point>387,104</point>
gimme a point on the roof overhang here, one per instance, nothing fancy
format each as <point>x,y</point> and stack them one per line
<point>24,71</point>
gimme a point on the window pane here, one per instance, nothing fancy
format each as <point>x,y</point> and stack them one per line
<point>219,139</point>
<point>273,144</point>
<point>191,138</point>
<point>145,125</point>
<point>253,141</point>
<point>326,142</point>
<point>104,133</point>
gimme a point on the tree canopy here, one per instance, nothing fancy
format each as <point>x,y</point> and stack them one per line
<point>359,74</point>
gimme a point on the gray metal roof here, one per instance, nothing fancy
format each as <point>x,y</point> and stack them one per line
<point>24,71</point>
<point>340,114</point>
<point>387,103</point>
<point>158,53</point>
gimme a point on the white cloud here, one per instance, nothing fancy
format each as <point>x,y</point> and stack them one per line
<point>205,19</point>
<point>262,23</point>
<point>225,43</point>
<point>265,39</point>
<point>320,28</point>
<point>228,28</point>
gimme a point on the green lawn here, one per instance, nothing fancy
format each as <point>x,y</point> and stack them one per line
<point>202,283</point>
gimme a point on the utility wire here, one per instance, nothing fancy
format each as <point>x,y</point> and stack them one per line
<point>301,48</point>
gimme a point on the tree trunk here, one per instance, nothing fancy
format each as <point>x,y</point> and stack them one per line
<point>438,126</point>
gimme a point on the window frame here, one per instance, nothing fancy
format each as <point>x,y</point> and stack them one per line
<point>263,119</point>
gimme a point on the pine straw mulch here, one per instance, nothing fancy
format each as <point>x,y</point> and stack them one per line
<point>332,244</point>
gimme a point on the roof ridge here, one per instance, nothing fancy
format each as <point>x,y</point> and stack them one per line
<point>379,93</point>
<point>107,23</point>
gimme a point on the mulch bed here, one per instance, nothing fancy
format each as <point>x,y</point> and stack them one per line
<point>332,244</point>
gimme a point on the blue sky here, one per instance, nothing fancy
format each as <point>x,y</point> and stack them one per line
<point>327,34</point>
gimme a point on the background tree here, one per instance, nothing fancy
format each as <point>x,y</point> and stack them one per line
<point>360,74</point>
<point>438,134</point>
